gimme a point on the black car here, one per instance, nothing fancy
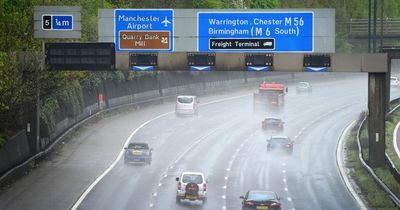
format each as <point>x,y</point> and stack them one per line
<point>257,199</point>
<point>138,153</point>
<point>271,123</point>
<point>280,143</point>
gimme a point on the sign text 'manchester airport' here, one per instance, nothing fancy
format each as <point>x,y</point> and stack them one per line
<point>143,30</point>
<point>256,31</point>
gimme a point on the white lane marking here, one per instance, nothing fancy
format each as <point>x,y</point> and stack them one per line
<point>286,189</point>
<point>159,184</point>
<point>228,170</point>
<point>155,194</point>
<point>121,153</point>
<point>283,171</point>
<point>223,187</point>
<point>396,148</point>
<point>289,199</point>
<point>339,149</point>
<point>283,164</point>
<point>284,180</point>
<point>93,184</point>
<point>151,205</point>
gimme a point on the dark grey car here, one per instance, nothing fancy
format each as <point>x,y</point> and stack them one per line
<point>138,153</point>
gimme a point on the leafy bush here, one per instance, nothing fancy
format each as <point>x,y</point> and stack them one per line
<point>3,139</point>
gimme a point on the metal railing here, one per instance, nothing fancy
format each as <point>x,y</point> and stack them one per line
<point>358,28</point>
<point>388,163</point>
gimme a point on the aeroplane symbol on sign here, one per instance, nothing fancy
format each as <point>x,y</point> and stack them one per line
<point>166,22</point>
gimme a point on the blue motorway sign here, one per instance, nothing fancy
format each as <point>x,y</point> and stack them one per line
<point>255,31</point>
<point>57,22</point>
<point>144,30</point>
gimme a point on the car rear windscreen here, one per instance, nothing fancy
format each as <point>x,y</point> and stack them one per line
<point>185,100</point>
<point>138,146</point>
<point>261,196</point>
<point>194,178</point>
<point>280,140</point>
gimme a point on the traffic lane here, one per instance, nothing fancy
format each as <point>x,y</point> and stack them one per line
<point>59,180</point>
<point>75,156</point>
<point>313,177</point>
<point>148,133</point>
<point>168,145</point>
<point>210,157</point>
<point>229,104</point>
<point>217,167</point>
<point>247,178</point>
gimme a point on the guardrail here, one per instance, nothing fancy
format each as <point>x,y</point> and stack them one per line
<point>395,172</point>
<point>388,162</point>
<point>220,85</point>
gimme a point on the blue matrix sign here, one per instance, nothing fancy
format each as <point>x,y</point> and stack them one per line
<point>255,31</point>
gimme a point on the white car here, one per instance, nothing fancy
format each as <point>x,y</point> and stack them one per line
<point>192,186</point>
<point>394,81</point>
<point>186,105</point>
<point>303,87</point>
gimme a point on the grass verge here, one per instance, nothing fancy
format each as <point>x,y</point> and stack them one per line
<point>372,193</point>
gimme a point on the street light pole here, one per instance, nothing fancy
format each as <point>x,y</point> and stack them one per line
<point>374,37</point>
<point>382,5</point>
<point>369,26</point>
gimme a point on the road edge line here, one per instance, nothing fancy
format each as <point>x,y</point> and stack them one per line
<point>343,174</point>
<point>82,197</point>
<point>396,148</point>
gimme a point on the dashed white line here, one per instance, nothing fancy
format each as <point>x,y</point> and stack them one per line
<point>286,189</point>
<point>289,199</point>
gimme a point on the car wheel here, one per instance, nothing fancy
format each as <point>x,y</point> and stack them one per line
<point>178,200</point>
<point>204,201</point>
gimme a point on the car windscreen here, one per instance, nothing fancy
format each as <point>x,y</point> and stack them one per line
<point>261,196</point>
<point>138,146</point>
<point>195,178</point>
<point>185,100</point>
<point>303,85</point>
<point>280,140</point>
